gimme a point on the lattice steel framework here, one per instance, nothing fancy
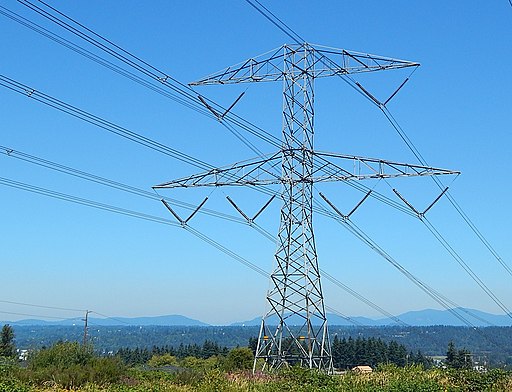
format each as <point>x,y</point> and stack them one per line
<point>294,330</point>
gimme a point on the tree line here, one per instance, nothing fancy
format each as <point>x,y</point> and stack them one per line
<point>137,356</point>
<point>348,353</point>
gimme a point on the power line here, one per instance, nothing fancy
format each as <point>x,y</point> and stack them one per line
<point>161,77</point>
<point>276,21</point>
<point>222,248</point>
<point>123,187</point>
<point>110,318</point>
<point>291,33</point>
<point>41,306</point>
<point>44,3</point>
<point>103,62</point>
<point>83,201</point>
<point>103,181</point>
<point>55,103</point>
<point>362,298</point>
<point>344,316</point>
<point>445,302</point>
<point>188,94</point>
<point>438,297</point>
<point>466,267</point>
<point>260,133</point>
<point>9,152</point>
<point>38,315</point>
<point>31,93</point>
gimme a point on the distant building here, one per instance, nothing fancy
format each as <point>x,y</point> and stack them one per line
<point>362,369</point>
<point>439,361</point>
<point>22,354</point>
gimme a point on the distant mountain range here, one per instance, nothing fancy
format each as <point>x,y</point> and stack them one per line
<point>424,317</point>
<point>174,320</point>
<point>417,318</point>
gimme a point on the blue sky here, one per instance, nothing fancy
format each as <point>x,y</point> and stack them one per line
<point>456,109</point>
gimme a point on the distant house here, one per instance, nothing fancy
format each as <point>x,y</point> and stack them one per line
<point>362,369</point>
<point>439,361</point>
<point>22,354</point>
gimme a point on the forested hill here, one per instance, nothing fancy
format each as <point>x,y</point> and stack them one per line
<point>496,342</point>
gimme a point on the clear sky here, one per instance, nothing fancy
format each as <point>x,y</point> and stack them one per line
<point>455,108</point>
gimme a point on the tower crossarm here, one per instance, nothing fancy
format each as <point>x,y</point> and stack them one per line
<point>268,67</point>
<point>340,167</point>
<point>328,167</point>
<point>265,171</point>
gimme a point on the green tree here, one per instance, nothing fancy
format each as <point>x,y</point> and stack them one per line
<point>458,359</point>
<point>451,355</point>
<point>7,347</point>
<point>253,344</point>
<point>240,358</point>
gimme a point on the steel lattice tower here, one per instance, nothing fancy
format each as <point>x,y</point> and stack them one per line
<point>294,330</point>
<point>295,283</point>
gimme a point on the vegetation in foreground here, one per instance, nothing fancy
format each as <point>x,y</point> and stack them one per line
<point>70,366</point>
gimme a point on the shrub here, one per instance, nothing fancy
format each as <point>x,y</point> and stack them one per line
<point>13,386</point>
<point>163,360</point>
<point>213,381</point>
<point>70,365</point>
<point>240,358</point>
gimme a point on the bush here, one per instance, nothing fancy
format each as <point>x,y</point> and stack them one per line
<point>310,379</point>
<point>163,360</point>
<point>199,364</point>
<point>8,380</point>
<point>472,381</point>
<point>70,365</point>
<point>13,386</point>
<point>240,358</point>
<point>213,381</point>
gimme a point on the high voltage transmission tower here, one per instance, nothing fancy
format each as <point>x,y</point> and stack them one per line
<point>294,330</point>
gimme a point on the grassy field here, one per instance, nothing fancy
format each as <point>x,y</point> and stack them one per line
<point>70,366</point>
<point>385,379</point>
